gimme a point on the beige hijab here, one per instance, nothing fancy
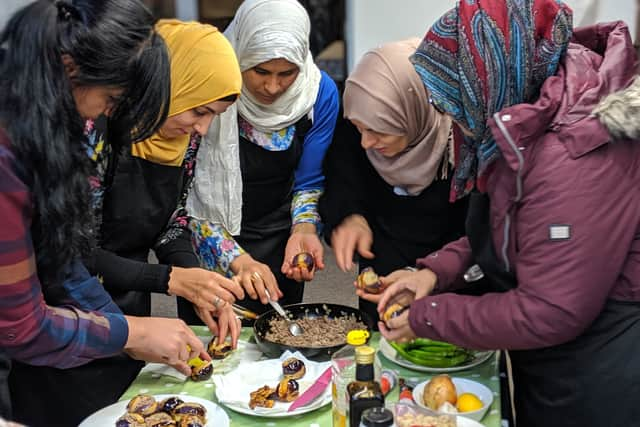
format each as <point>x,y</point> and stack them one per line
<point>385,93</point>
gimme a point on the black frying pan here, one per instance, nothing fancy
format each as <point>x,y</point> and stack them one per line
<point>300,311</point>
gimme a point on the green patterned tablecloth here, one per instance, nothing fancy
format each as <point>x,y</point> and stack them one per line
<point>486,373</point>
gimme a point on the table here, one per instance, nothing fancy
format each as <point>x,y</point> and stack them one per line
<point>486,373</point>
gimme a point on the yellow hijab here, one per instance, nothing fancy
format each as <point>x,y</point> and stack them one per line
<point>204,69</point>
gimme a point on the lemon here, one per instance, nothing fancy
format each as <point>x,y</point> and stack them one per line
<point>468,402</point>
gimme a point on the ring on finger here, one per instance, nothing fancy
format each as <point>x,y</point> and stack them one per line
<point>216,301</point>
<point>256,275</point>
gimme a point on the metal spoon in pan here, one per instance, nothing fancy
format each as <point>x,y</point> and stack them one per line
<point>294,328</point>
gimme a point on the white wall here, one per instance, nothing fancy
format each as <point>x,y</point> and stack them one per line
<point>373,22</point>
<point>186,10</point>
<point>8,8</point>
<point>590,11</point>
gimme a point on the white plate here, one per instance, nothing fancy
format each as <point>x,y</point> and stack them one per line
<point>107,417</point>
<point>233,389</point>
<point>321,401</point>
<point>468,422</point>
<point>391,354</point>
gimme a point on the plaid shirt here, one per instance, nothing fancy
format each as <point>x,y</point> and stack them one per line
<point>77,321</point>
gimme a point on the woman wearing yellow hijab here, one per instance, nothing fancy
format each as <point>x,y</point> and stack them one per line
<point>143,205</point>
<point>205,81</point>
<point>138,196</point>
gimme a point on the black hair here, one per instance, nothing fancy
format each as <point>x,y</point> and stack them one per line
<point>112,44</point>
<point>229,98</point>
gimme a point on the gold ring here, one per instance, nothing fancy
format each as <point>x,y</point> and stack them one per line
<point>256,275</point>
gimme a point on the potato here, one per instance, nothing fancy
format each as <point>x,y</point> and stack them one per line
<point>438,391</point>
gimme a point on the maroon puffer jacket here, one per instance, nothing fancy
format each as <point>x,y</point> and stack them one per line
<point>565,209</point>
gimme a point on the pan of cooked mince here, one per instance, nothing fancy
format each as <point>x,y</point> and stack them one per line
<point>325,329</point>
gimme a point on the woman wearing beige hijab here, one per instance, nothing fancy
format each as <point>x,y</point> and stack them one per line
<point>387,188</point>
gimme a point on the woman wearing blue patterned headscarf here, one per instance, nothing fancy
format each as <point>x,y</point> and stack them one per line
<point>485,56</point>
<point>554,217</point>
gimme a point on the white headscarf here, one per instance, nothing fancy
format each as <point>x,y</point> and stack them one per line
<point>261,30</point>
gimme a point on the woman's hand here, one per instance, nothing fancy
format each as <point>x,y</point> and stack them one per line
<point>405,287</point>
<point>255,277</point>
<point>303,239</point>
<point>352,234</point>
<point>205,289</point>
<point>397,329</point>
<point>226,324</point>
<point>386,282</point>
<point>169,341</point>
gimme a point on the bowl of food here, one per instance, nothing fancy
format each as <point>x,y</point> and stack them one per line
<point>456,396</point>
<point>325,329</point>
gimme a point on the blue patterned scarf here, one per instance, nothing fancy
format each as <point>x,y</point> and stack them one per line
<point>484,56</point>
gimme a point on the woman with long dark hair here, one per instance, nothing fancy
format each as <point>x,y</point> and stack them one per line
<point>135,192</point>
<point>61,64</point>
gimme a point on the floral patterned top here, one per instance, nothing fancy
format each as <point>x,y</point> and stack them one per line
<point>99,152</point>
<point>272,141</point>
<point>180,219</point>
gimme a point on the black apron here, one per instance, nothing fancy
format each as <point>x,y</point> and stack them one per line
<point>140,198</point>
<point>5,401</point>
<point>406,227</point>
<point>46,397</point>
<point>593,380</point>
<point>267,190</point>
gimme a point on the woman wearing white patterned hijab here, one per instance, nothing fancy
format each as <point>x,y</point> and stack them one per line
<point>260,174</point>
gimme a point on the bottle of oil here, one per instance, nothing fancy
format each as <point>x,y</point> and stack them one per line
<point>364,392</point>
<point>343,372</point>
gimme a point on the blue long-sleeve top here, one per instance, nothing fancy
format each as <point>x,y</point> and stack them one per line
<point>309,174</point>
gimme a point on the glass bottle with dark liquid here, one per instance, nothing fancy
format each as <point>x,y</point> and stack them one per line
<point>364,392</point>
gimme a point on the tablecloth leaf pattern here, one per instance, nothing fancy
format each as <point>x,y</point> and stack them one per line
<point>154,383</point>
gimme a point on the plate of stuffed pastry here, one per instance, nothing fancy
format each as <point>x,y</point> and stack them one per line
<point>268,387</point>
<point>146,410</point>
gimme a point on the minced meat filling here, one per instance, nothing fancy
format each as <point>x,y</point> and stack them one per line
<point>319,331</point>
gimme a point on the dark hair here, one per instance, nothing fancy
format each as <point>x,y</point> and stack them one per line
<point>229,98</point>
<point>112,44</point>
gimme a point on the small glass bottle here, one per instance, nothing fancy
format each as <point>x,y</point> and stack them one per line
<point>377,417</point>
<point>365,391</point>
<point>343,371</point>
